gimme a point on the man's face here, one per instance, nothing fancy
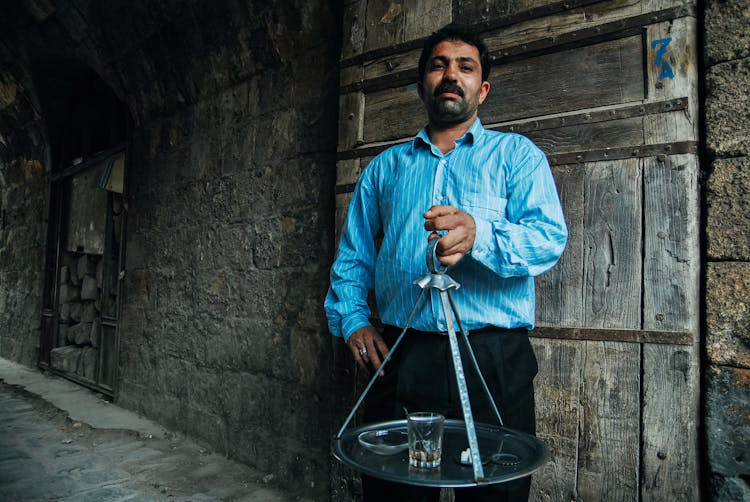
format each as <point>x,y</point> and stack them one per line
<point>452,88</point>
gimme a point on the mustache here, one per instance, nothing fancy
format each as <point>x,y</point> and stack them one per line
<point>449,87</point>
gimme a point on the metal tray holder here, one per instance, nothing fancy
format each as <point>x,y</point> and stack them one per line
<point>505,454</point>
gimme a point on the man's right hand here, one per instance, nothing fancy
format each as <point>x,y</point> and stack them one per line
<point>368,347</point>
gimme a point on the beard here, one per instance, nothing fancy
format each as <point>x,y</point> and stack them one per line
<point>450,111</point>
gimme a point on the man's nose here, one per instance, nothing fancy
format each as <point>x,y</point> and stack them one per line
<point>451,72</point>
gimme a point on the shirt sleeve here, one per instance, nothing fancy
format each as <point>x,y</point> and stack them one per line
<point>353,271</point>
<point>530,236</point>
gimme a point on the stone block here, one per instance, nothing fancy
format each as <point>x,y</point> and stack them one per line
<point>728,313</point>
<point>728,420</point>
<point>89,290</point>
<point>80,333</point>
<point>86,266</point>
<point>65,358</point>
<point>89,312</point>
<point>87,365</point>
<point>727,31</point>
<point>64,274</point>
<point>728,108</point>
<point>76,308</point>
<point>69,293</point>
<point>100,273</point>
<point>62,335</point>
<point>94,336</point>
<point>728,489</point>
<point>728,210</point>
<point>65,312</point>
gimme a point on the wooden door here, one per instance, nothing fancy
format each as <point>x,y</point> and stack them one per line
<point>607,88</point>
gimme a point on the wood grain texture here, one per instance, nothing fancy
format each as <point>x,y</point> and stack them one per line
<point>541,85</point>
<point>354,30</point>
<point>385,23</point>
<point>581,137</point>
<point>559,291</point>
<point>351,120</point>
<point>342,208</point>
<point>677,41</point>
<point>671,301</point>
<point>612,245</point>
<point>608,449</point>
<point>424,17</point>
<point>558,413</point>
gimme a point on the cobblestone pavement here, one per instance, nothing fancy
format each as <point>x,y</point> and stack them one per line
<point>46,455</point>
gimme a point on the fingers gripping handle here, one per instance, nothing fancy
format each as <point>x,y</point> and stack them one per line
<point>433,264</point>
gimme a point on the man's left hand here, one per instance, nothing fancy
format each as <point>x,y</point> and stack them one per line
<point>460,236</point>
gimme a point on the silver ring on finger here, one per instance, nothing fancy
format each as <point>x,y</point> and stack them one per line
<point>363,351</point>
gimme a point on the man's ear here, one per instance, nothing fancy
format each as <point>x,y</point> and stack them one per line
<point>483,91</point>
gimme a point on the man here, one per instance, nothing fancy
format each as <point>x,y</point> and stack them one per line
<point>491,197</point>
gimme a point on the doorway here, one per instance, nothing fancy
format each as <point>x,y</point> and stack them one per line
<point>88,128</point>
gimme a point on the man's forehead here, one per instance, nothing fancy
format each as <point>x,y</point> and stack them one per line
<point>455,49</point>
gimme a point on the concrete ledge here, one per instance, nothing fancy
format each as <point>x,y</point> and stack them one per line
<point>81,404</point>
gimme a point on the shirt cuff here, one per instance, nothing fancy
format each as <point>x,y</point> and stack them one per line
<point>352,324</point>
<point>482,248</point>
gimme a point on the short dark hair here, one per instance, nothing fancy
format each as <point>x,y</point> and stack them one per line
<point>455,31</point>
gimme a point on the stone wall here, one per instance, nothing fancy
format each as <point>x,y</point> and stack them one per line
<point>727,375</point>
<point>24,162</point>
<point>230,213</point>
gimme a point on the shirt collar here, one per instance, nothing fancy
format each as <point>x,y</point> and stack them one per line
<point>475,132</point>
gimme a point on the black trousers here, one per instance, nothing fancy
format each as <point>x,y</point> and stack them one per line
<point>420,377</point>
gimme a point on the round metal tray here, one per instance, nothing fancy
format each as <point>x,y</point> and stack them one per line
<point>506,455</point>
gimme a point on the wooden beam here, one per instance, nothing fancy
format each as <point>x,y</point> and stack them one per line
<point>549,45</point>
<point>559,120</point>
<point>508,20</point>
<point>614,335</point>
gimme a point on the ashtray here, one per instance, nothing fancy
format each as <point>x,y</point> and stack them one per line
<point>384,442</point>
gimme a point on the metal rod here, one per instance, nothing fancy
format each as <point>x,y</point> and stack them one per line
<point>474,362</point>
<point>463,392</point>
<point>382,365</point>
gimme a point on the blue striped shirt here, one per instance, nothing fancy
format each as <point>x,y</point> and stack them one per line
<point>502,180</point>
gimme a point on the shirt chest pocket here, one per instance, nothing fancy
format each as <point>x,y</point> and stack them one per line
<point>488,208</point>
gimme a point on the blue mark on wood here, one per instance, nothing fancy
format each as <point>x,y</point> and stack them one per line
<point>661,49</point>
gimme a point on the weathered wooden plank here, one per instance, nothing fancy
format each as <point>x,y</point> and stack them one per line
<point>557,121</point>
<point>353,35</point>
<point>537,86</point>
<point>424,17</point>
<point>670,424</point>
<point>559,291</point>
<point>385,23</point>
<point>671,253</point>
<point>601,114</point>
<point>596,75</point>
<point>612,245</point>
<point>656,5</point>
<point>392,114</point>
<point>351,117</point>
<point>634,152</point>
<point>351,75</point>
<point>614,335</point>
<point>342,208</point>
<point>598,135</point>
<point>385,66</point>
<point>608,450</point>
<point>671,72</point>
<point>671,301</point>
<point>558,413</point>
<point>347,171</point>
